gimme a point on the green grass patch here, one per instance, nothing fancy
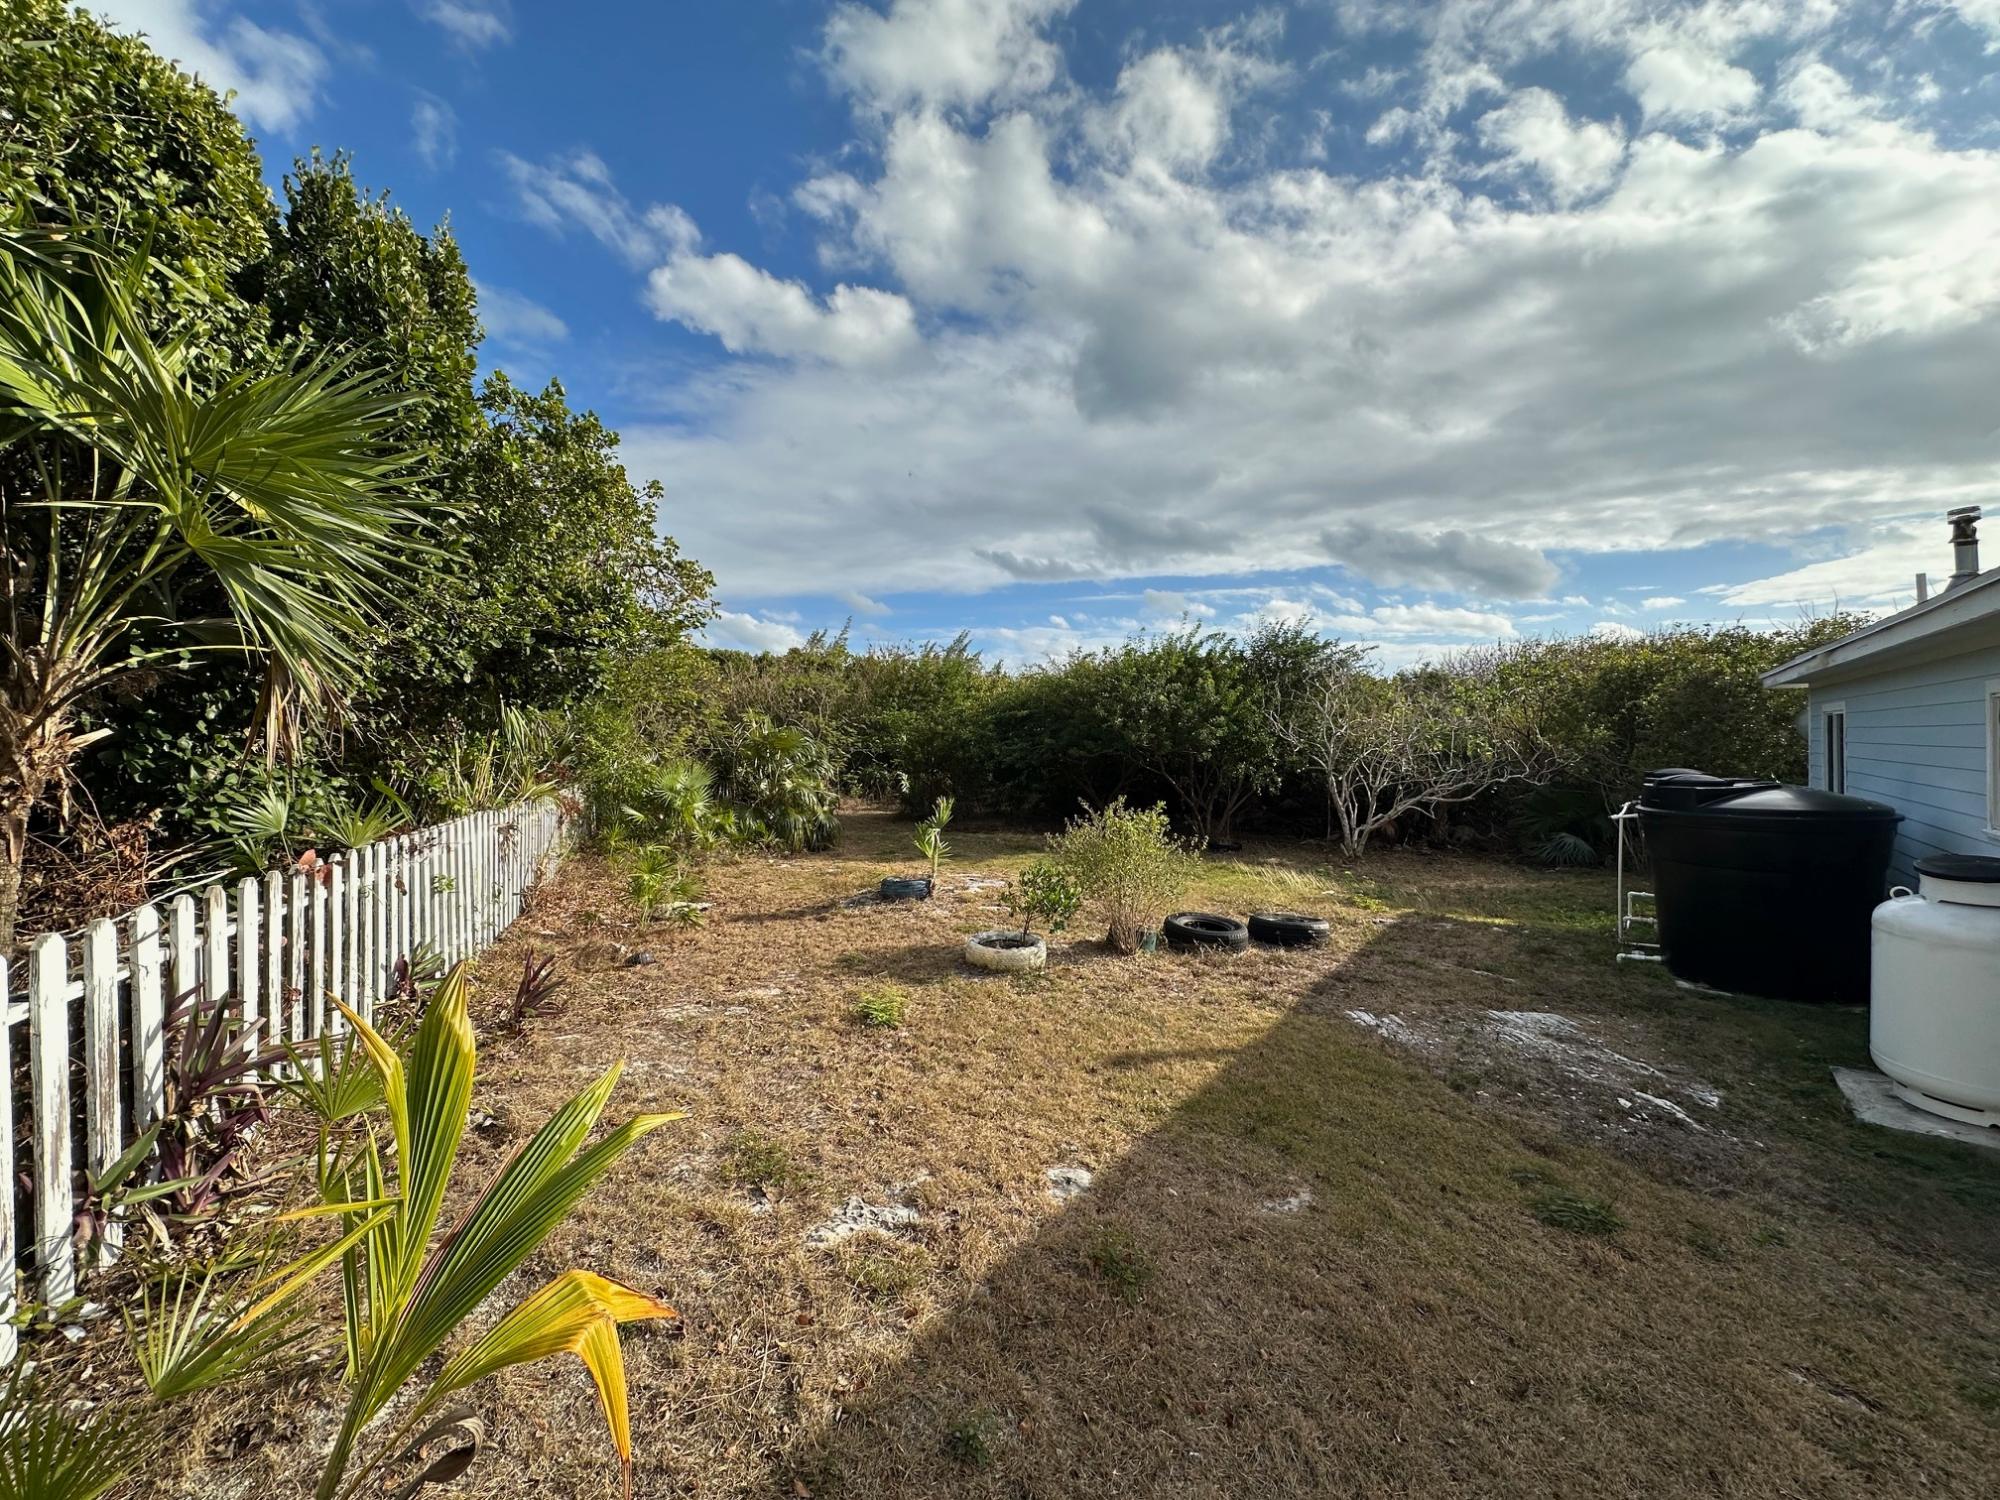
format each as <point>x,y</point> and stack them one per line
<point>1575,1213</point>
<point>970,1439</point>
<point>1116,1258</point>
<point>882,1009</point>
<point>749,1159</point>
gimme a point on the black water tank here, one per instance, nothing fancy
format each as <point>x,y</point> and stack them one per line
<point>1766,889</point>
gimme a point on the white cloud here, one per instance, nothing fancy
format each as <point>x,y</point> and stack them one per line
<point>1661,601</point>
<point>926,53</point>
<point>1982,16</point>
<point>1675,80</point>
<point>745,632</point>
<point>576,192</point>
<point>753,312</point>
<point>1877,569</point>
<point>1616,630</point>
<point>471,23</point>
<point>275,75</point>
<point>434,132</point>
<point>1119,360</point>
<point>1533,131</point>
<point>861,604</point>
<point>1171,604</point>
<point>511,318</point>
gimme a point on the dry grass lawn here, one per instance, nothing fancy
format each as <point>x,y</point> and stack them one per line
<point>1315,1258</point>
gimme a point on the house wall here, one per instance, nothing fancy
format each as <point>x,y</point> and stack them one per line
<point>1917,739</point>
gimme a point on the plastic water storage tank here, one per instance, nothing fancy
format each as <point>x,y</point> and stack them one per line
<point>1765,889</point>
<point>1934,1026</point>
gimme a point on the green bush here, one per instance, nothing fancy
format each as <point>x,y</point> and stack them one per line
<point>1128,865</point>
<point>1045,892</point>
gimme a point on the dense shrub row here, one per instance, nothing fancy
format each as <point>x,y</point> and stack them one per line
<point>1533,743</point>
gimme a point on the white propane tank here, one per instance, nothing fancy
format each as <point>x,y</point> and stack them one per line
<point>1934,1006</point>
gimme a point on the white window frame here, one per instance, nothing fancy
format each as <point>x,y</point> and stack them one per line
<point>1993,757</point>
<point>1828,712</point>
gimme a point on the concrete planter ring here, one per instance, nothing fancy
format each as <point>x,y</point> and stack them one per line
<point>1006,952</point>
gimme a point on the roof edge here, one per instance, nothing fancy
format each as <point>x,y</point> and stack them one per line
<point>1964,605</point>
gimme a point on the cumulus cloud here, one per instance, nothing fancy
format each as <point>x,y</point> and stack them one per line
<point>753,312</point>
<point>1661,601</point>
<point>924,53</point>
<point>1616,630</point>
<point>748,632</point>
<point>1533,131</point>
<point>511,318</point>
<point>276,75</point>
<point>1109,334</point>
<point>1674,80</point>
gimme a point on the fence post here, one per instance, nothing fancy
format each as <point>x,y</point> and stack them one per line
<point>332,911</point>
<point>48,1067</point>
<point>8,1167</point>
<point>249,963</point>
<point>316,977</point>
<point>297,938</point>
<point>103,1118</point>
<point>185,955</point>
<point>149,1018</point>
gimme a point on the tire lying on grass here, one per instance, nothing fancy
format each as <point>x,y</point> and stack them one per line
<point>1188,930</point>
<point>1006,952</point>
<point>906,888</point>
<point>1289,929</point>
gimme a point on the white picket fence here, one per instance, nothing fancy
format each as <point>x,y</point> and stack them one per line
<point>276,946</point>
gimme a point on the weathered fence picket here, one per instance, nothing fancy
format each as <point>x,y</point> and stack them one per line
<point>276,948</point>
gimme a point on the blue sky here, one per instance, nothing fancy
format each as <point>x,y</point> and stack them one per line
<point>1427,324</point>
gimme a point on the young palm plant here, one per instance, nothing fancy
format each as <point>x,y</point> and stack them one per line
<point>405,1291</point>
<point>133,493</point>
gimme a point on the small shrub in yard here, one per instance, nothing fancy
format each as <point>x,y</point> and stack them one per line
<point>881,1008</point>
<point>1115,1258</point>
<point>535,994</point>
<point>1561,1209</point>
<point>1047,893</point>
<point>752,1160</point>
<point>1128,865</point>
<point>930,837</point>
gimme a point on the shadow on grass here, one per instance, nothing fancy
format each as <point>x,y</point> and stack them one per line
<point>1323,1274</point>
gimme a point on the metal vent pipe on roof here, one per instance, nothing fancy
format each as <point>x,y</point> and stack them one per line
<point>1964,545</point>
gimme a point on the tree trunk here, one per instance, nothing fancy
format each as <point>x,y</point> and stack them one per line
<point>13,853</point>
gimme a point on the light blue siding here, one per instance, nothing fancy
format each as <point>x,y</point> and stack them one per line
<point>1917,739</point>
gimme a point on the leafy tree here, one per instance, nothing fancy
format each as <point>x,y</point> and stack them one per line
<point>274,490</point>
<point>565,575</point>
<point>101,130</point>
<point>1194,708</point>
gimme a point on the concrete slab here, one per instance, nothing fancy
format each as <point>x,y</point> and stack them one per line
<point>1875,1102</point>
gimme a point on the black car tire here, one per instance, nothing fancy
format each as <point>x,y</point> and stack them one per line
<point>1286,929</point>
<point>1189,930</point>
<point>906,888</point>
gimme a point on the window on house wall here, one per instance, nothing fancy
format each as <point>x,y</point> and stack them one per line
<point>1835,720</point>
